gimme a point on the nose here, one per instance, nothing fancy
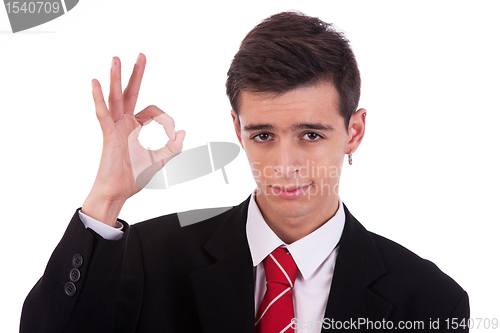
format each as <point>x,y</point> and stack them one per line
<point>287,160</point>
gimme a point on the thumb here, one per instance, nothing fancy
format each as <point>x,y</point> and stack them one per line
<point>175,146</point>
<point>171,149</point>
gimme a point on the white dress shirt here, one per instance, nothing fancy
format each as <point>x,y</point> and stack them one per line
<point>314,254</point>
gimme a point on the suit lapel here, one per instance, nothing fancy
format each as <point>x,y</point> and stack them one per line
<point>358,265</point>
<point>224,291</point>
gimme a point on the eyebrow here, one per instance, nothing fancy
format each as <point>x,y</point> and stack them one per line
<point>294,127</point>
<point>258,127</point>
<point>315,126</point>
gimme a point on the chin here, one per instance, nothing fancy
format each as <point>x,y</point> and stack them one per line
<point>290,207</point>
<point>291,212</point>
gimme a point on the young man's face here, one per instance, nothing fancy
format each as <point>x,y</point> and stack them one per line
<point>296,143</point>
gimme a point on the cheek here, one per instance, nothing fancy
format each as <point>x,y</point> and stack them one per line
<point>325,170</point>
<point>256,165</point>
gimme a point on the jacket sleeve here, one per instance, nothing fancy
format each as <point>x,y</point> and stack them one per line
<point>79,287</point>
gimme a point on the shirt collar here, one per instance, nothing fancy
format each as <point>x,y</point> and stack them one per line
<point>308,252</point>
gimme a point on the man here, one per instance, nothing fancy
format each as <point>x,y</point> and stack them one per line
<point>289,258</point>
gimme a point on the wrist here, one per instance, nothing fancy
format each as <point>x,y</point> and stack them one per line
<point>102,210</point>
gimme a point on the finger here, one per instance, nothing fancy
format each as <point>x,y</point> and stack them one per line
<point>131,92</point>
<point>175,146</point>
<point>115,91</point>
<point>101,109</point>
<point>171,149</point>
<point>152,112</point>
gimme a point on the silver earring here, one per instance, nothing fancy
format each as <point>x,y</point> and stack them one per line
<point>350,158</point>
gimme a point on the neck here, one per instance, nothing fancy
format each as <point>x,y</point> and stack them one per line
<point>292,228</point>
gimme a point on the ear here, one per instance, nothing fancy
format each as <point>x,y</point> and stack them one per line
<point>356,131</point>
<point>237,128</point>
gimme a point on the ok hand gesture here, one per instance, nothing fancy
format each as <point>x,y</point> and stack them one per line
<point>126,166</point>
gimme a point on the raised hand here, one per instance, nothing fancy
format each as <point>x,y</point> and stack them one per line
<point>126,166</point>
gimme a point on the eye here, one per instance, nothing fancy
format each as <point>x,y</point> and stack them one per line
<point>311,136</point>
<point>261,137</point>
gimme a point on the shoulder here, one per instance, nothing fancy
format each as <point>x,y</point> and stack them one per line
<point>170,226</point>
<point>410,269</point>
<point>191,228</point>
<point>406,280</point>
<point>417,285</point>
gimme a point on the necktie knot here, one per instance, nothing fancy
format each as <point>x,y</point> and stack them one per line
<point>280,267</point>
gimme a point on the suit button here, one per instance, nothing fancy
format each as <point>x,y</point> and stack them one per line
<point>70,288</point>
<point>74,275</point>
<point>77,260</point>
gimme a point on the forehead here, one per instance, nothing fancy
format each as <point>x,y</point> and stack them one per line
<point>313,103</point>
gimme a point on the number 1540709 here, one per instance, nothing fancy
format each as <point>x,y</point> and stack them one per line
<point>31,7</point>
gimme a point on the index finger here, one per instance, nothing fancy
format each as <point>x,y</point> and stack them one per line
<point>131,92</point>
<point>152,112</point>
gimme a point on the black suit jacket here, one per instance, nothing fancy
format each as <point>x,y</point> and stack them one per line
<point>161,277</point>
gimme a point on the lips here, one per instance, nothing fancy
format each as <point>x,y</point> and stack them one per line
<point>289,191</point>
<point>289,188</point>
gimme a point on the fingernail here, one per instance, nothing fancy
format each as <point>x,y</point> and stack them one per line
<point>173,134</point>
<point>137,61</point>
<point>112,62</point>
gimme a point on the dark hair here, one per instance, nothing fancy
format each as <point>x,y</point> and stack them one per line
<point>290,50</point>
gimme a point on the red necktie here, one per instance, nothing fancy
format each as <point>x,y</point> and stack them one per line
<point>276,309</point>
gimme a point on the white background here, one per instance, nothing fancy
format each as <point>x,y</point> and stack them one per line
<point>426,175</point>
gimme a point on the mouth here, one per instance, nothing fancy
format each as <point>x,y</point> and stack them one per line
<point>290,191</point>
